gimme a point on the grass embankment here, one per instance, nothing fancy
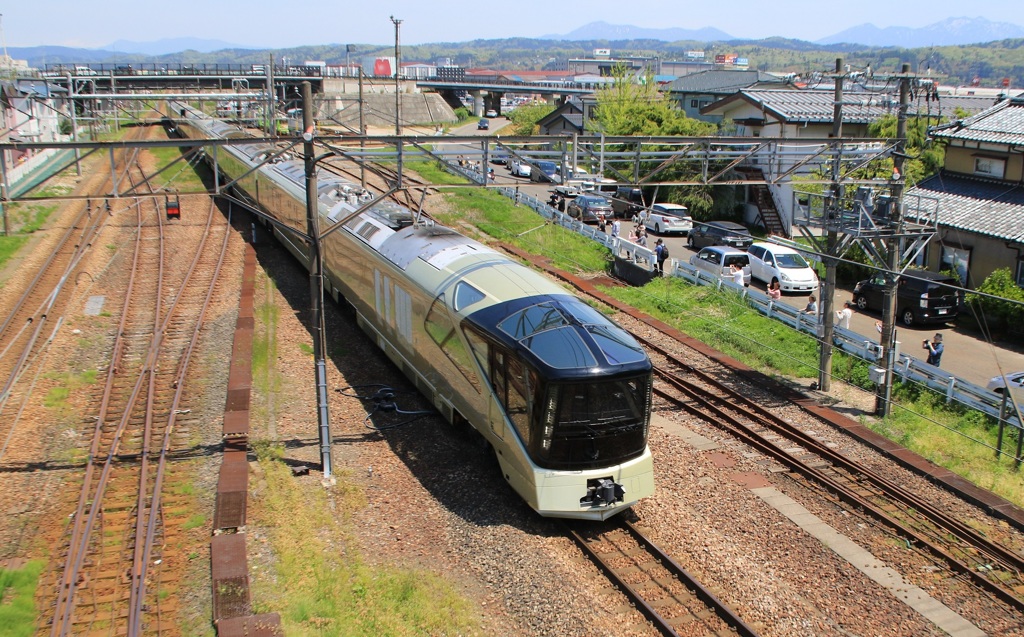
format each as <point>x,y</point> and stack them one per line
<point>24,218</point>
<point>961,440</point>
<point>17,599</point>
<point>318,581</point>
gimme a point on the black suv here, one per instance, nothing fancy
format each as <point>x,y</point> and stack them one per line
<point>627,201</point>
<point>719,233</point>
<point>921,297</point>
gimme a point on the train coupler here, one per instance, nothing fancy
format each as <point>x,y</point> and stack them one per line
<point>603,492</point>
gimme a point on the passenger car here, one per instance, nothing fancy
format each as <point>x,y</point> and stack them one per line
<point>1014,379</point>
<point>546,171</point>
<point>719,233</point>
<point>483,124</point>
<point>668,218</point>
<point>921,297</point>
<point>519,168</point>
<point>627,201</point>
<point>491,113</point>
<point>589,208</point>
<point>770,262</point>
<point>718,259</point>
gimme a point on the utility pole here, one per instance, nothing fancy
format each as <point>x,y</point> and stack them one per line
<point>316,281</point>
<point>892,249</point>
<point>398,68</point>
<point>832,205</point>
<point>362,132</point>
<point>271,99</point>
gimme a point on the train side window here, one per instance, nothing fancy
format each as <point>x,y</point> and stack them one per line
<point>512,388</point>
<point>441,329</point>
<point>466,295</point>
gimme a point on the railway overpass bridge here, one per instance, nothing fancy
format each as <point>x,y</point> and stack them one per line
<point>492,90</point>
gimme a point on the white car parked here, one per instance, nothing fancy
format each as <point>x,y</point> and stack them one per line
<point>1014,379</point>
<point>770,262</point>
<point>668,218</point>
<point>519,168</point>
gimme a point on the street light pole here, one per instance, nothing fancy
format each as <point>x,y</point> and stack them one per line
<point>398,66</point>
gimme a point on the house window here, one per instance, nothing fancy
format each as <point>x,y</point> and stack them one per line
<point>957,261</point>
<point>1019,276</point>
<point>693,103</point>
<point>989,167</point>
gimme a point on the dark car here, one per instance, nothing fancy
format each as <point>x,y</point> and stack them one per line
<point>627,201</point>
<point>484,124</point>
<point>499,156</point>
<point>546,171</point>
<point>589,208</point>
<point>719,233</point>
<point>921,297</point>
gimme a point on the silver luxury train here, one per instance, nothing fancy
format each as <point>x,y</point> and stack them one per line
<point>561,393</point>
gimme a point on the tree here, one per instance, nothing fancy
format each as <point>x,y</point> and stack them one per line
<point>524,118</point>
<point>627,107</point>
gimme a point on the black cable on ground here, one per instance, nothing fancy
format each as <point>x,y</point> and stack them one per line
<point>384,400</point>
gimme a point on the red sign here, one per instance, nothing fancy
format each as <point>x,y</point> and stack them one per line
<point>382,67</point>
<point>1006,81</point>
<point>719,59</point>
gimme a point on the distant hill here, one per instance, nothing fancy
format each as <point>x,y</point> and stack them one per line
<point>171,45</point>
<point>605,31</point>
<point>949,32</point>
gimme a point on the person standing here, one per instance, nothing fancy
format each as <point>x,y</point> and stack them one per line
<point>737,274</point>
<point>615,228</point>
<point>774,291</point>
<point>660,254</point>
<point>844,315</point>
<point>935,349</point>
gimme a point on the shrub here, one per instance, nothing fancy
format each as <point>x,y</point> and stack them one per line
<point>1005,305</point>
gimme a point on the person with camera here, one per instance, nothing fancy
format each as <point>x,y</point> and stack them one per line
<point>934,348</point>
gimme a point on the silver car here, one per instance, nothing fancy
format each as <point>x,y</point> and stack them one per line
<point>717,260</point>
<point>668,218</point>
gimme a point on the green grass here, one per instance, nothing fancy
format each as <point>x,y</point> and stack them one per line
<point>179,177</point>
<point>323,587</point>
<point>56,397</point>
<point>17,600</point>
<point>9,246</point>
<point>194,521</point>
<point>496,216</point>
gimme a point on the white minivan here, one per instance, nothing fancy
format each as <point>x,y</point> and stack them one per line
<point>770,262</point>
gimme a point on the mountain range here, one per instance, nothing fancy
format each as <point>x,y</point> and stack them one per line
<point>949,32</point>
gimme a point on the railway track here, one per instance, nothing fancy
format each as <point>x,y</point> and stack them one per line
<point>37,312</point>
<point>969,554</point>
<point>670,597</point>
<point>107,577</point>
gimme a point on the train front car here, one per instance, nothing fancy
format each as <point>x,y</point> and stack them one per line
<point>576,390</point>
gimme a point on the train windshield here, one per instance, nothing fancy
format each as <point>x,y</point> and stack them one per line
<point>551,331</point>
<point>593,424</point>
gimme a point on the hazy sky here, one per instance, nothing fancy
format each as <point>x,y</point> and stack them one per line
<point>266,24</point>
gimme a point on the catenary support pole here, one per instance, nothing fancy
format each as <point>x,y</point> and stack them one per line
<point>892,250</point>
<point>316,281</point>
<point>832,205</point>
